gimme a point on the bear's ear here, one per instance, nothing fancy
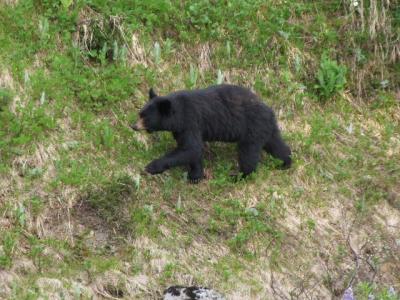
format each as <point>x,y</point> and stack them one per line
<point>152,94</point>
<point>164,107</point>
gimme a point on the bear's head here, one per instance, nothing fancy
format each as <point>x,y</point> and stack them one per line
<point>157,114</point>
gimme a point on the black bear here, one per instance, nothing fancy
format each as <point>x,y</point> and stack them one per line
<point>226,113</point>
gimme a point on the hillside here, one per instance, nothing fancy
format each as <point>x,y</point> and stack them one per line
<point>79,219</point>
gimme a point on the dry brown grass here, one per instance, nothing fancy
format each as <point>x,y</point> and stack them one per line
<point>88,21</point>
<point>9,2</point>
<point>384,42</point>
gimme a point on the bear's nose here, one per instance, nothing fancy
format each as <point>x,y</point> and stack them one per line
<point>134,127</point>
<point>139,125</point>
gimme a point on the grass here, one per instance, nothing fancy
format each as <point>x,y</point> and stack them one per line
<point>79,217</point>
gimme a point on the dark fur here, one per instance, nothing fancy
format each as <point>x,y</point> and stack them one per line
<point>224,113</point>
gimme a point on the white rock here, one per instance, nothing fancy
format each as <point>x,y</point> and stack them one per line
<point>191,293</point>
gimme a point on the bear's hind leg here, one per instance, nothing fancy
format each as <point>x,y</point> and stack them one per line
<point>279,149</point>
<point>249,156</point>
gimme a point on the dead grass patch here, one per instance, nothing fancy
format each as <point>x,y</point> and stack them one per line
<point>9,2</point>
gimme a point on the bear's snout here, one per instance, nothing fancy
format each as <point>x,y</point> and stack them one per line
<point>139,125</point>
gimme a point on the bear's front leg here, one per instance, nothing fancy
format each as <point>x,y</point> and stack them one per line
<point>180,157</point>
<point>160,165</point>
<point>196,172</point>
<point>157,166</point>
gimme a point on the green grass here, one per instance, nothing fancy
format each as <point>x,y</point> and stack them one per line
<point>75,205</point>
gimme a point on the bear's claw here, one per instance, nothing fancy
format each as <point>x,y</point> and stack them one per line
<point>155,167</point>
<point>194,180</point>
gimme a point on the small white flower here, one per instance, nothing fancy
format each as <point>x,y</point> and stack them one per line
<point>179,203</point>
<point>350,128</point>
<point>26,77</point>
<point>371,297</point>
<point>42,98</point>
<point>391,291</point>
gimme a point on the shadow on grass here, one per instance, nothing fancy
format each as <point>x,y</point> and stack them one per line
<point>107,205</point>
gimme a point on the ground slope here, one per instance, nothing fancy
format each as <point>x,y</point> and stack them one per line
<point>78,217</point>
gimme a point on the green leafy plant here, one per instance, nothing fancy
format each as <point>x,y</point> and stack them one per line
<point>67,3</point>
<point>144,221</point>
<point>20,215</point>
<point>36,252</point>
<point>9,241</point>
<point>193,76</point>
<point>331,78</point>
<point>5,97</point>
<point>106,135</point>
<point>245,224</point>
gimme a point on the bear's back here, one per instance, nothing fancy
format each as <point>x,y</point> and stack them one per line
<point>222,112</point>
